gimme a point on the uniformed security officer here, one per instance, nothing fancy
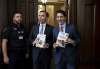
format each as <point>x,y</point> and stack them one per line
<point>14,43</point>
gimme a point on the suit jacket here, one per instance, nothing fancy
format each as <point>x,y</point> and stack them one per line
<point>69,52</point>
<point>46,52</point>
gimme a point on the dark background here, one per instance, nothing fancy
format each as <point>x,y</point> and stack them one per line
<point>82,14</point>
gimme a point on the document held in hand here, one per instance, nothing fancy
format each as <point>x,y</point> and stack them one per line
<point>41,40</point>
<point>62,37</point>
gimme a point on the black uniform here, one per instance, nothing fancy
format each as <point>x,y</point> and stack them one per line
<point>16,36</point>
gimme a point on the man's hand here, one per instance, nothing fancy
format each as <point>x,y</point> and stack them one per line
<point>58,43</point>
<point>69,40</point>
<point>55,45</point>
<point>46,45</point>
<point>6,60</point>
<point>35,41</point>
<point>4,51</point>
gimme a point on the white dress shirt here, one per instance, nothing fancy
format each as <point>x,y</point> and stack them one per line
<point>64,27</point>
<point>40,27</point>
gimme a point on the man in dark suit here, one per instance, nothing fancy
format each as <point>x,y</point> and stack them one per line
<point>65,54</point>
<point>42,55</point>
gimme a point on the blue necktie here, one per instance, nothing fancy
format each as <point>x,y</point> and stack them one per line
<point>41,31</point>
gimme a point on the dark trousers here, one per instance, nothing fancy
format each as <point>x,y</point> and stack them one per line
<point>16,59</point>
<point>41,65</point>
<point>67,61</point>
<point>42,62</point>
<point>65,66</point>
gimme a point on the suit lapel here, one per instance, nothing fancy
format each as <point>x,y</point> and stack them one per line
<point>46,30</point>
<point>38,29</point>
<point>57,31</point>
<point>67,29</point>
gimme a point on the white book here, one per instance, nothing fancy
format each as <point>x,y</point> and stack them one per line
<point>41,40</point>
<point>62,37</point>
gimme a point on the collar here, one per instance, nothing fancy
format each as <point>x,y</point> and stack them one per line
<point>43,24</point>
<point>63,24</point>
<point>14,25</point>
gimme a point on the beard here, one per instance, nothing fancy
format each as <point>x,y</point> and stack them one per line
<point>17,21</point>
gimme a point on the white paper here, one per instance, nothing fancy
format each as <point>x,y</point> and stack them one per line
<point>62,37</point>
<point>41,40</point>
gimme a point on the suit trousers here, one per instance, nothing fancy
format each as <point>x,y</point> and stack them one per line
<point>67,60</point>
<point>42,61</point>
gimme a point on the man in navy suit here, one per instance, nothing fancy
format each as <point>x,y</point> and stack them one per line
<point>65,54</point>
<point>42,55</point>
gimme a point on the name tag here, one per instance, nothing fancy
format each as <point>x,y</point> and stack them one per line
<point>20,37</point>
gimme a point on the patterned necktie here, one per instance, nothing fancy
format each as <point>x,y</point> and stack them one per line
<point>61,28</point>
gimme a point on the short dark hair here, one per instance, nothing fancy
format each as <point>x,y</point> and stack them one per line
<point>47,14</point>
<point>62,12</point>
<point>16,12</point>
